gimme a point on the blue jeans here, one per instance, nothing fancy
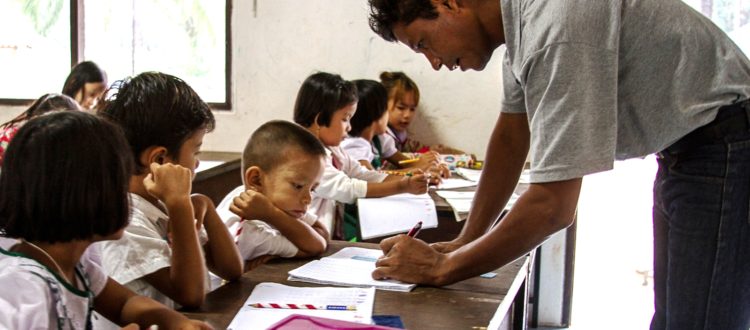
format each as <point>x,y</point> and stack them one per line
<point>702,235</point>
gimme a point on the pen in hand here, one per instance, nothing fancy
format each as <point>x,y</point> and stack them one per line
<point>415,230</point>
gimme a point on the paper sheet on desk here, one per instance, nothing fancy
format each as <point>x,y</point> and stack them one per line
<point>461,201</point>
<point>469,174</point>
<point>453,183</point>
<point>395,214</point>
<point>262,318</point>
<point>348,267</point>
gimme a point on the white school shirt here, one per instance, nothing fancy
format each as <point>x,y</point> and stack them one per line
<point>33,297</point>
<point>257,238</point>
<point>142,250</point>
<point>358,148</point>
<point>387,144</point>
<point>345,185</point>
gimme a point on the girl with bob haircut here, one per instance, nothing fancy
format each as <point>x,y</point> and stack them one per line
<point>64,184</point>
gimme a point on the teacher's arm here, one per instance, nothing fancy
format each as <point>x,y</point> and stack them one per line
<point>506,155</point>
<point>541,211</point>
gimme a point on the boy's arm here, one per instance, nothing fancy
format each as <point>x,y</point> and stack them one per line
<point>185,280</point>
<point>254,205</point>
<point>122,306</point>
<point>222,256</point>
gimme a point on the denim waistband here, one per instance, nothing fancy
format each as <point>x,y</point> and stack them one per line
<point>730,119</point>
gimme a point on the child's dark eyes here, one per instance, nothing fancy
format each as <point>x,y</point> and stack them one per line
<point>297,186</point>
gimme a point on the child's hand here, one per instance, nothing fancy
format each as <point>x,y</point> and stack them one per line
<point>428,160</point>
<point>193,325</point>
<point>201,206</point>
<point>168,182</point>
<point>417,184</point>
<point>439,171</point>
<point>252,205</point>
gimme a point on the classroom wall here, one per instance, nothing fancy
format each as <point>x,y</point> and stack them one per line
<point>278,43</point>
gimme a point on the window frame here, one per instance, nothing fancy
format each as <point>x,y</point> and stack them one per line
<point>77,42</point>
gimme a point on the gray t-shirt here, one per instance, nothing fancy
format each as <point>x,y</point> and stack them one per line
<point>613,79</point>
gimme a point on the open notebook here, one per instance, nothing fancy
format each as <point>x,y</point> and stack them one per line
<point>360,301</point>
<point>395,214</point>
<point>351,266</point>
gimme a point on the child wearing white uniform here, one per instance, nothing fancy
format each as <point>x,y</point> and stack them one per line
<point>281,165</point>
<point>49,278</point>
<point>173,239</point>
<point>325,104</point>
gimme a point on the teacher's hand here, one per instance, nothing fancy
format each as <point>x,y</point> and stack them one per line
<point>410,260</point>
<point>450,246</point>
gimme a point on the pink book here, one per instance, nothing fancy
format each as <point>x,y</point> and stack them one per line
<point>305,322</point>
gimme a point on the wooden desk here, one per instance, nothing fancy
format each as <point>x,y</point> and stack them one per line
<point>464,305</point>
<point>221,177</point>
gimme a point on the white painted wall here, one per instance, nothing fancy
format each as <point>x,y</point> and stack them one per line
<point>278,43</point>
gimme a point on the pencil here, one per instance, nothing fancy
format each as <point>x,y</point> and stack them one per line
<point>304,306</point>
<point>397,173</point>
<point>408,161</point>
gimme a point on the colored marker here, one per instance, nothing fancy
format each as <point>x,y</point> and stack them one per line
<point>415,230</point>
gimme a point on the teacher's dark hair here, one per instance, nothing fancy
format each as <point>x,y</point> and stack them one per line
<point>65,177</point>
<point>384,14</point>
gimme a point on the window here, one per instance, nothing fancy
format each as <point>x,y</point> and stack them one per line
<point>34,48</point>
<point>732,16</point>
<point>185,38</point>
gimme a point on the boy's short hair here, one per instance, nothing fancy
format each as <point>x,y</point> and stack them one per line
<point>156,109</point>
<point>270,144</point>
<point>373,102</point>
<point>65,177</point>
<point>384,14</point>
<point>320,95</point>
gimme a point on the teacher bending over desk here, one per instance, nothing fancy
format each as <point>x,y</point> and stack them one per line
<point>586,83</point>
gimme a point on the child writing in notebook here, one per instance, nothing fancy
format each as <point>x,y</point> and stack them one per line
<point>371,120</point>
<point>48,280</point>
<point>46,103</point>
<point>281,166</point>
<point>403,98</point>
<point>325,104</point>
<point>161,254</point>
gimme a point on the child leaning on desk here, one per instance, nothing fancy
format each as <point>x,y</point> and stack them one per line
<point>371,120</point>
<point>162,252</point>
<point>281,165</point>
<point>325,104</point>
<point>50,279</point>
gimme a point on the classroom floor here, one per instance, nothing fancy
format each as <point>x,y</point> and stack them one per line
<point>613,284</point>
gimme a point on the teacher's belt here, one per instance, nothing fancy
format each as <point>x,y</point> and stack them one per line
<point>730,119</point>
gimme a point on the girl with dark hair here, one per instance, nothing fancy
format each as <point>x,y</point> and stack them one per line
<point>64,186</point>
<point>44,104</point>
<point>86,84</point>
